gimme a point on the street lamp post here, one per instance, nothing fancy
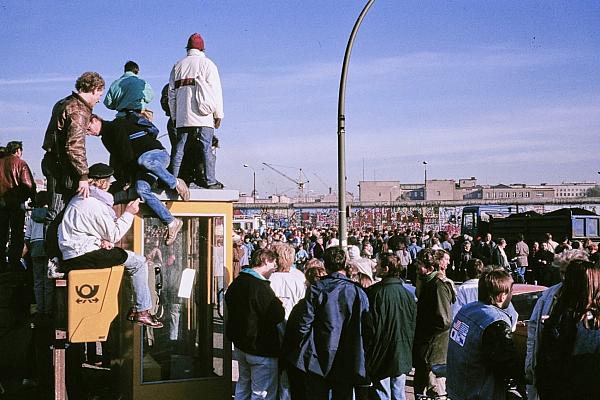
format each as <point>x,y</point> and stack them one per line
<point>425,182</point>
<point>253,182</point>
<point>342,130</point>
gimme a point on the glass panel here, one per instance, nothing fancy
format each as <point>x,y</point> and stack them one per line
<point>468,222</point>
<point>578,227</point>
<point>184,281</point>
<point>591,227</point>
<point>524,303</point>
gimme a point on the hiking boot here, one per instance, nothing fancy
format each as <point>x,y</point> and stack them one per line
<point>217,185</point>
<point>146,319</point>
<point>182,189</point>
<point>172,231</point>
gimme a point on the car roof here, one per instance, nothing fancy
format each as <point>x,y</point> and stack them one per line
<point>520,288</point>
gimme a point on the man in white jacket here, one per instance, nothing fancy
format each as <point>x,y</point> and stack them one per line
<point>196,107</point>
<point>87,234</point>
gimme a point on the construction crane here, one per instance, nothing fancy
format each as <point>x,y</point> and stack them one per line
<point>328,187</point>
<point>300,182</point>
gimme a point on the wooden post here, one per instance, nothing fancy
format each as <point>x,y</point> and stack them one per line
<point>60,339</point>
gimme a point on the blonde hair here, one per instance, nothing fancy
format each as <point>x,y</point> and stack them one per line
<point>314,273</point>
<point>99,182</point>
<point>285,256</point>
<point>563,259</point>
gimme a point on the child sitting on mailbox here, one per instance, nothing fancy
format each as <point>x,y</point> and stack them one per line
<point>87,234</point>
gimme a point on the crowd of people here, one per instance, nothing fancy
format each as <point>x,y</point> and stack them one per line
<point>308,318</point>
<point>363,318</point>
<point>76,206</point>
<point>72,224</point>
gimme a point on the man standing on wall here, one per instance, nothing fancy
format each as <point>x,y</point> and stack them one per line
<point>129,92</point>
<point>65,162</point>
<point>196,106</point>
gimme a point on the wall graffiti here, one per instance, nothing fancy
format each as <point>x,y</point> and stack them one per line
<point>417,218</point>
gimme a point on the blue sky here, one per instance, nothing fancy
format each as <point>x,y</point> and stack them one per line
<point>504,91</point>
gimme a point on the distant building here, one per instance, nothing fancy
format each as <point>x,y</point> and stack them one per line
<point>437,190</point>
<point>389,191</point>
<point>467,183</point>
<point>440,189</point>
<point>570,189</point>
<point>505,192</point>
<point>378,191</point>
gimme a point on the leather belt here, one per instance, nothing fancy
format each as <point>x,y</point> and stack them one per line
<point>185,82</point>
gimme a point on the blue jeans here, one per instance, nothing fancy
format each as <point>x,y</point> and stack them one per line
<point>177,151</point>
<point>199,153</point>
<point>137,269</point>
<point>145,192</point>
<point>389,388</point>
<point>43,287</point>
<point>157,161</point>
<point>258,377</point>
<point>317,388</point>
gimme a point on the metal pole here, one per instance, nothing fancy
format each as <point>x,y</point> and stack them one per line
<point>253,182</point>
<point>425,195</point>
<point>342,130</point>
<point>254,186</point>
<point>425,181</point>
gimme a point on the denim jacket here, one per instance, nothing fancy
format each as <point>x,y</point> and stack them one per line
<point>468,376</point>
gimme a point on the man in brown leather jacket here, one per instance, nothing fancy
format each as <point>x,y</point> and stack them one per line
<point>65,162</point>
<point>16,186</point>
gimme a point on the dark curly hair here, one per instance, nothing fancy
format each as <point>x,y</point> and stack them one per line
<point>426,257</point>
<point>335,259</point>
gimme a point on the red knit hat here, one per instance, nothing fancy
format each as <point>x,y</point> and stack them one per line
<point>195,42</point>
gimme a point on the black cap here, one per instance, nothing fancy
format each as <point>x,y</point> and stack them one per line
<point>100,171</point>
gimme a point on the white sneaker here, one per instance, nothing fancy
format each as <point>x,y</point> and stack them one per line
<point>172,231</point>
<point>53,272</point>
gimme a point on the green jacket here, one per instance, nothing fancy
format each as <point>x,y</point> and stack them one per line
<point>434,317</point>
<point>394,312</point>
<point>129,92</point>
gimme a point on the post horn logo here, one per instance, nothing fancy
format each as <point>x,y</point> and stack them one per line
<point>87,293</point>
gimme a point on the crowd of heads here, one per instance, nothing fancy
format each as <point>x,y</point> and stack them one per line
<point>372,254</point>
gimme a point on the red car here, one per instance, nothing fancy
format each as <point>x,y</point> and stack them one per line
<point>524,298</point>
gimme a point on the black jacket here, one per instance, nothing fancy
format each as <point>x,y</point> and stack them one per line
<point>253,313</point>
<point>126,139</point>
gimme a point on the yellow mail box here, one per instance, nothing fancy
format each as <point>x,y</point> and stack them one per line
<point>93,303</point>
